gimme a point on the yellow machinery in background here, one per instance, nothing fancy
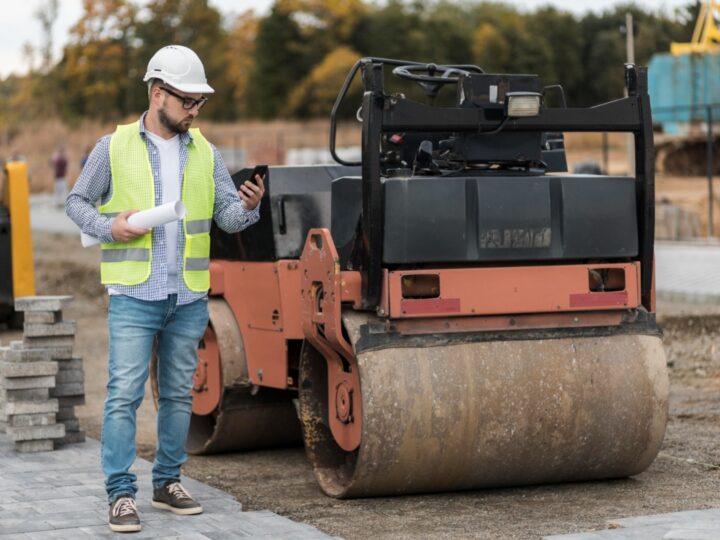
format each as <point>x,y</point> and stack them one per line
<point>706,36</point>
<point>17,275</point>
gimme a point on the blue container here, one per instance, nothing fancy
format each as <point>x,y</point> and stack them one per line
<point>681,87</point>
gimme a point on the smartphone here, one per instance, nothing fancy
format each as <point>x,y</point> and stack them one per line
<point>260,170</point>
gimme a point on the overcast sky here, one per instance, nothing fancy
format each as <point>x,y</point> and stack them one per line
<point>17,25</point>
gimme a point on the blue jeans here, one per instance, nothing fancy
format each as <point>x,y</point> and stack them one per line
<point>133,327</point>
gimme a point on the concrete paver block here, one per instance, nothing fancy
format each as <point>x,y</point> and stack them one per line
<point>71,437</point>
<point>42,317</point>
<point>23,383</point>
<point>31,407</point>
<point>70,364</point>
<point>32,433</point>
<point>28,355</point>
<point>61,353</point>
<point>65,413</point>
<point>67,389</point>
<point>71,425</point>
<point>25,394</point>
<point>29,420</point>
<point>49,342</point>
<point>69,376</point>
<point>42,303</point>
<point>64,328</point>
<point>28,369</point>
<point>71,401</point>
<point>42,445</point>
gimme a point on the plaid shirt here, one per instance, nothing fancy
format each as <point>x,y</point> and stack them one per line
<point>94,183</point>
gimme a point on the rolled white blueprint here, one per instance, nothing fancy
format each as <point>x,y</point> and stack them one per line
<point>146,219</point>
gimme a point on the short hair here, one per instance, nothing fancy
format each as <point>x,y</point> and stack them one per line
<point>150,84</point>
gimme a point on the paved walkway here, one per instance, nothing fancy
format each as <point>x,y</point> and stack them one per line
<point>60,495</point>
<point>688,271</point>
<point>46,216</point>
<point>690,525</point>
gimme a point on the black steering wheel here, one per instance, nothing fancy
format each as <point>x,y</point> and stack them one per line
<point>432,77</point>
<point>434,73</point>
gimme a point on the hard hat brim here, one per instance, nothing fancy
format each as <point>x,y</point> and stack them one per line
<point>197,88</point>
<point>202,88</point>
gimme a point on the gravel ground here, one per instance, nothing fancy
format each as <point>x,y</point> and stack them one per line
<point>685,476</point>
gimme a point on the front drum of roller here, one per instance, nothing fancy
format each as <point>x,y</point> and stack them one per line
<point>491,414</point>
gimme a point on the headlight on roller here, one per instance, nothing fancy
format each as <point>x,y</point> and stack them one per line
<point>522,104</point>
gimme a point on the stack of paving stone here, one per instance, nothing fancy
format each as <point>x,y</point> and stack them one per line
<point>26,376</point>
<point>45,329</point>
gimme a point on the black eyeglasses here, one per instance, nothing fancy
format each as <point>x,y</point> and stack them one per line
<point>187,102</point>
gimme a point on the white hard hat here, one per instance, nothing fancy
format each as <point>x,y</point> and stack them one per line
<point>179,67</point>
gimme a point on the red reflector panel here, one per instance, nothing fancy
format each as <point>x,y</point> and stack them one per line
<point>430,305</point>
<point>599,299</point>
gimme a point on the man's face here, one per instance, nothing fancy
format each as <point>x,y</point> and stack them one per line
<point>171,113</point>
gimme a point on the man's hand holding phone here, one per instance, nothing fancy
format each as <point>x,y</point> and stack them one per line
<point>251,191</point>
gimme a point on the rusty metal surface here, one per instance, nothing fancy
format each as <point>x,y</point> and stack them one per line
<point>246,422</point>
<point>207,382</point>
<point>233,365</point>
<point>322,295</point>
<point>252,290</point>
<point>493,414</point>
<point>515,289</point>
<point>228,415</point>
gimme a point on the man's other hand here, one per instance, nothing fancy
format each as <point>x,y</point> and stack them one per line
<point>122,231</point>
<point>251,193</point>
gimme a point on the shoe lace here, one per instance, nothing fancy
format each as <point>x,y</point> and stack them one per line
<point>124,507</point>
<point>178,491</point>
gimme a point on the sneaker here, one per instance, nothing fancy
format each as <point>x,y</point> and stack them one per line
<point>123,515</point>
<point>172,496</point>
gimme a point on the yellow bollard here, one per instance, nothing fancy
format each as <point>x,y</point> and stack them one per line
<point>16,197</point>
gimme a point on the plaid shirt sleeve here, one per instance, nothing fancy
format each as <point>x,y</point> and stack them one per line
<point>230,215</point>
<point>93,184</point>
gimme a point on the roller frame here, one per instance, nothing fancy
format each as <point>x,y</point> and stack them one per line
<point>322,295</point>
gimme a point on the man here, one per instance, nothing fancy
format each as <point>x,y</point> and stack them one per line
<point>157,280</point>
<point>59,163</point>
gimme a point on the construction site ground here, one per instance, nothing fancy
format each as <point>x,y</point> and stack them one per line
<point>685,476</point>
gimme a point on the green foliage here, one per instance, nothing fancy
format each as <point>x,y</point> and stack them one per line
<point>195,24</point>
<point>315,95</point>
<point>292,61</point>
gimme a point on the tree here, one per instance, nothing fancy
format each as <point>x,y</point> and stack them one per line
<point>194,24</point>
<point>315,95</point>
<point>95,66</point>
<point>490,49</point>
<point>47,14</point>
<point>241,48</point>
<point>296,36</point>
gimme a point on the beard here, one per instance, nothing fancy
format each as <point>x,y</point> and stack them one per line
<point>179,127</point>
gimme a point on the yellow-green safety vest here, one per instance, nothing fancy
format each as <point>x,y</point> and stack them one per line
<point>133,187</point>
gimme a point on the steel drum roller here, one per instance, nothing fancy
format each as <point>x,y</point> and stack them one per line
<point>492,414</point>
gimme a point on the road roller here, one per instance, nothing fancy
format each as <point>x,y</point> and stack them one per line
<point>454,311</point>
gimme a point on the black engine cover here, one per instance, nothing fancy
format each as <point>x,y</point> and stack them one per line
<point>499,218</point>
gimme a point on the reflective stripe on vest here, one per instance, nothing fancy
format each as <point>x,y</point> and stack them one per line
<point>120,255</point>
<point>199,226</point>
<point>133,187</point>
